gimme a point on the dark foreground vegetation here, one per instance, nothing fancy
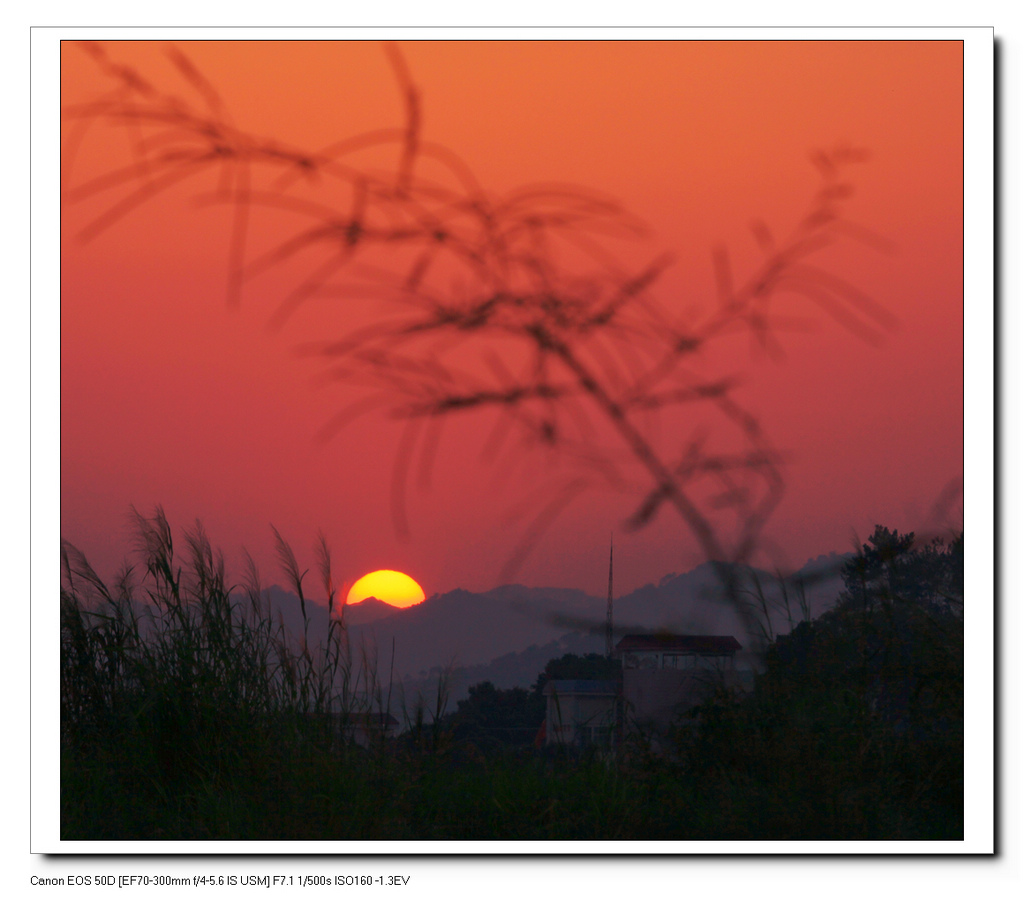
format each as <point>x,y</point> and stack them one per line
<point>186,713</point>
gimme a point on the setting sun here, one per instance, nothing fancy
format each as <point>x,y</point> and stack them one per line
<point>388,586</point>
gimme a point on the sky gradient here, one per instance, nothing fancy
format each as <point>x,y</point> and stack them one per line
<point>170,396</point>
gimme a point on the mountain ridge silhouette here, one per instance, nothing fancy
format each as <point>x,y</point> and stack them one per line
<point>467,631</point>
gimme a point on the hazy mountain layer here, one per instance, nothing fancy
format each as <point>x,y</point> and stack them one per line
<point>508,634</point>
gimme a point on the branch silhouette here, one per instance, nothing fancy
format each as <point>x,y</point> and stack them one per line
<point>509,303</point>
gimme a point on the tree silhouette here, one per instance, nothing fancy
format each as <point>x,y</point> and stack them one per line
<point>577,667</point>
<point>892,570</point>
<point>490,718</point>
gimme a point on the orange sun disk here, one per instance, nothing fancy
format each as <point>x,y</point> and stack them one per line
<point>391,586</point>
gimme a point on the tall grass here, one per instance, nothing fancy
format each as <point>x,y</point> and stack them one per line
<point>188,683</point>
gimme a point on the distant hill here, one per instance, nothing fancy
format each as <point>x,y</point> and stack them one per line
<point>696,602</point>
<point>284,606</point>
<point>367,611</point>
<point>508,635</point>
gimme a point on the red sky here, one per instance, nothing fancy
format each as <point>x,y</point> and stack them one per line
<point>171,397</point>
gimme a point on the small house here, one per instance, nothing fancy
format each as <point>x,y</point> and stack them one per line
<point>581,712</point>
<point>663,676</point>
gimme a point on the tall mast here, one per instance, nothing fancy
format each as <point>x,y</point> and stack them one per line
<point>608,621</point>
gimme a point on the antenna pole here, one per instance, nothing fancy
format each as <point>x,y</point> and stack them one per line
<point>608,621</point>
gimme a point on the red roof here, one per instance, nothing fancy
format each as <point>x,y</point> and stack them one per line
<point>668,642</point>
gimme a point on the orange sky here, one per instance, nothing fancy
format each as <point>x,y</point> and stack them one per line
<point>168,396</point>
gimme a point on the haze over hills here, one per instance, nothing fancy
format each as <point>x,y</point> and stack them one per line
<point>458,626</point>
<point>508,634</point>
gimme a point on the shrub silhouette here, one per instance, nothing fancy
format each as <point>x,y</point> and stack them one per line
<point>857,722</point>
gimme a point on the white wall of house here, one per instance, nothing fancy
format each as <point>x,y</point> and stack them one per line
<point>572,717</point>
